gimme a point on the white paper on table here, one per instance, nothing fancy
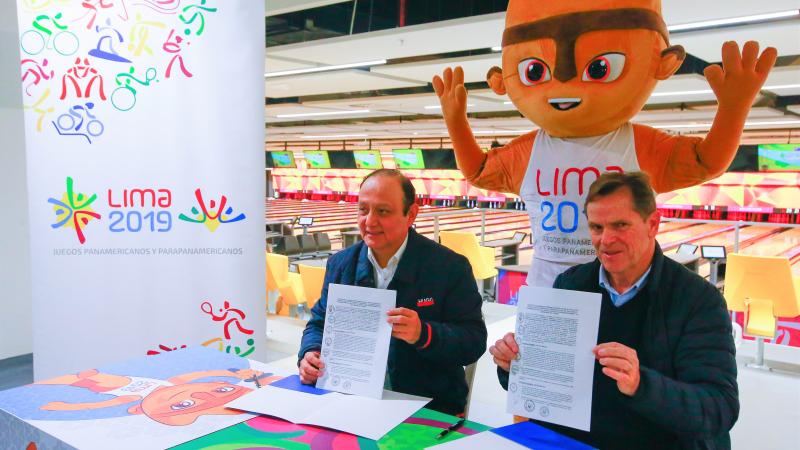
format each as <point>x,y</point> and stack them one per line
<point>481,441</point>
<point>362,416</point>
<point>355,342</point>
<point>552,379</point>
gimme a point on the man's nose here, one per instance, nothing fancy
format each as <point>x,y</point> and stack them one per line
<point>608,237</point>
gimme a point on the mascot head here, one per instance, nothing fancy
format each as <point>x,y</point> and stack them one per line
<point>580,68</point>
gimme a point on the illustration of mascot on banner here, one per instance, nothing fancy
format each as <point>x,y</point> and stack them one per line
<point>581,70</point>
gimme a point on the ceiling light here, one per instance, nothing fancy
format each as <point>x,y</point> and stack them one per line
<point>709,91</point>
<point>284,73</point>
<point>501,131</point>
<point>772,122</point>
<point>683,125</point>
<point>746,124</point>
<point>440,106</point>
<point>781,86</point>
<point>335,136</point>
<point>734,21</point>
<point>669,94</point>
<point>327,113</point>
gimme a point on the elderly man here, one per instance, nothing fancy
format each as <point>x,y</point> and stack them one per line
<point>437,326</point>
<point>665,376</point>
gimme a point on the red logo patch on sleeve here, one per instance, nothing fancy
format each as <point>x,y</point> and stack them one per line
<point>425,302</point>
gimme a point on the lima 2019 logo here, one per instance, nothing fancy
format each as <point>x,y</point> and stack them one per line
<point>137,210</point>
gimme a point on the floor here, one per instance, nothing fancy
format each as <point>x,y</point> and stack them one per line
<point>770,401</point>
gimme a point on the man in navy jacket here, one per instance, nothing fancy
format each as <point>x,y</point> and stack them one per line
<point>665,372</point>
<point>437,326</point>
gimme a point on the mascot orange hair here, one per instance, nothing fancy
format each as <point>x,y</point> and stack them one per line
<point>580,70</point>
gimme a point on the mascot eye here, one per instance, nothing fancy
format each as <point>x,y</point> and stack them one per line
<point>224,389</point>
<point>182,405</point>
<point>604,68</point>
<point>533,71</point>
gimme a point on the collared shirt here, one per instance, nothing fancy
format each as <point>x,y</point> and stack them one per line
<point>383,276</point>
<point>620,299</point>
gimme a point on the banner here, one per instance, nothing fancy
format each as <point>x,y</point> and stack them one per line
<point>145,132</point>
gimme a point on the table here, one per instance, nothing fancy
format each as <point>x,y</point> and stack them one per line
<point>417,432</point>
<point>509,279</point>
<point>163,401</point>
<point>350,238</point>
<point>509,249</point>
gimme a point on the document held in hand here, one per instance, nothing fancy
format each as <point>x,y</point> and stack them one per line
<point>355,343</point>
<point>552,378</point>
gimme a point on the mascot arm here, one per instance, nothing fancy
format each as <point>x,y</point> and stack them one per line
<point>503,168</point>
<point>675,162</point>
<point>672,162</point>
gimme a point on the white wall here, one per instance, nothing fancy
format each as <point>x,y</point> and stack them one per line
<point>15,291</point>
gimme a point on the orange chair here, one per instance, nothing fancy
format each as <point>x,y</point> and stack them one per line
<point>313,278</point>
<point>763,288</point>
<point>480,258</point>
<point>288,284</point>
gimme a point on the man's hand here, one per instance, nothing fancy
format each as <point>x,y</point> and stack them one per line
<point>742,75</point>
<point>406,325</point>
<point>504,351</point>
<point>452,94</point>
<point>311,367</point>
<point>620,363</point>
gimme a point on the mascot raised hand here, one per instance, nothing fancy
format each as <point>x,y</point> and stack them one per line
<point>580,70</point>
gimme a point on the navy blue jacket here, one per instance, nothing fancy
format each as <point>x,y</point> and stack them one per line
<point>438,284</point>
<point>688,386</point>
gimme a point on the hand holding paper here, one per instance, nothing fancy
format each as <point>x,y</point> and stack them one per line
<point>311,367</point>
<point>620,363</point>
<point>406,325</point>
<point>504,351</point>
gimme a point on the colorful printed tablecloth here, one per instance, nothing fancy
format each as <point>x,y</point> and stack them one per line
<point>265,433</point>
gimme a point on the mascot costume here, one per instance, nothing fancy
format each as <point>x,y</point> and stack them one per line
<point>580,70</point>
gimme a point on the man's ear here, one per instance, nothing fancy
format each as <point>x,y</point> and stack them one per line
<point>671,60</point>
<point>653,223</point>
<point>495,79</point>
<point>413,210</point>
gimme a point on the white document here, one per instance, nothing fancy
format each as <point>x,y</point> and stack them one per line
<point>355,343</point>
<point>362,416</point>
<point>481,441</point>
<point>552,379</point>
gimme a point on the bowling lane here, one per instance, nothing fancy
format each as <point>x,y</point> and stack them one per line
<point>671,239</point>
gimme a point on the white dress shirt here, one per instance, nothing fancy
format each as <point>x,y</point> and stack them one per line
<point>383,276</point>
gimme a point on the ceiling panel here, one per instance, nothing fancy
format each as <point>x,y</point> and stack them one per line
<point>432,38</point>
<point>275,7</point>
<point>687,11</point>
<point>707,44</point>
<point>784,76</point>
<point>681,83</point>
<point>475,68</point>
<point>272,64</point>
<point>332,82</point>
<point>483,32</point>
